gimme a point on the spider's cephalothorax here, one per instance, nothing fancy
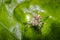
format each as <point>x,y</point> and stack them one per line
<point>36,20</point>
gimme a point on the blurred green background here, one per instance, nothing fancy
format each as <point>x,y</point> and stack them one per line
<point>14,13</point>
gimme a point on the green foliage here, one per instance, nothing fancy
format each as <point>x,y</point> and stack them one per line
<point>7,1</point>
<point>13,20</point>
